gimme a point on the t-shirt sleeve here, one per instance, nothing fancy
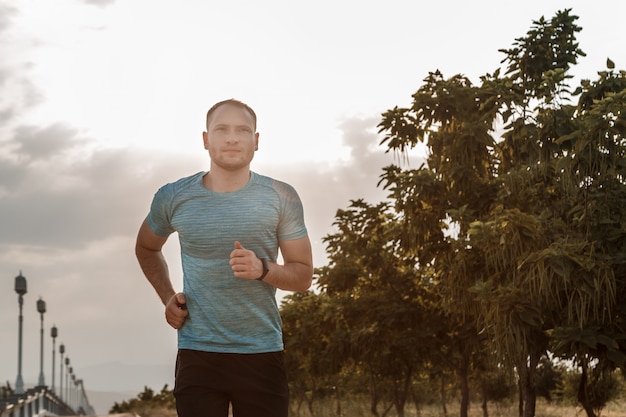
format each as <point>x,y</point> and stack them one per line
<point>291,224</point>
<point>160,212</point>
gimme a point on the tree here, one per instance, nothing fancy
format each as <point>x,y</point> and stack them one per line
<point>507,245</point>
<point>148,404</point>
<point>591,333</point>
<point>387,308</point>
<point>437,202</point>
<point>314,346</point>
<point>536,254</point>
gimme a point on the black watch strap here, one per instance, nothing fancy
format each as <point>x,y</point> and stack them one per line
<point>266,269</point>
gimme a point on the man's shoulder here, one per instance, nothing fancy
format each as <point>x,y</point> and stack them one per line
<point>268,181</point>
<point>184,182</point>
<point>281,188</point>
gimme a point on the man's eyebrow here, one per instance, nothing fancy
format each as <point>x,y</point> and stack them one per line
<point>239,126</point>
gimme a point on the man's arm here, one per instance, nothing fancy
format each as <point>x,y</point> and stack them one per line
<point>152,262</point>
<point>295,274</point>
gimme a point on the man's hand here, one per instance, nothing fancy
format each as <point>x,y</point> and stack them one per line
<point>245,263</point>
<point>176,310</point>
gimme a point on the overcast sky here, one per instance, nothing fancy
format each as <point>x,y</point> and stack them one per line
<point>101,102</point>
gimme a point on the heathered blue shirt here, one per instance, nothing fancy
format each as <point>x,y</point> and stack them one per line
<point>226,313</point>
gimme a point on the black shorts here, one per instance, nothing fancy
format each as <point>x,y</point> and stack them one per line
<point>255,384</point>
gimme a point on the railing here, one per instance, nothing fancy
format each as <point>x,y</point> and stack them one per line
<point>40,402</point>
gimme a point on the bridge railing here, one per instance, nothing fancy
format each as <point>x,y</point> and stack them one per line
<point>40,402</point>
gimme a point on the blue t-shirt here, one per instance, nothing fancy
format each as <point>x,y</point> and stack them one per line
<point>226,313</point>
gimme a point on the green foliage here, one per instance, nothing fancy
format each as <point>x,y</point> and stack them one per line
<point>549,48</point>
<point>548,378</point>
<point>148,403</point>
<point>506,245</point>
<point>499,387</point>
<point>606,387</point>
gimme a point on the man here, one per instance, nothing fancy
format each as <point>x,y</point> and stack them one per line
<point>231,223</point>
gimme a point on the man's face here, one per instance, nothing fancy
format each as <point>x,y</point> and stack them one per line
<point>231,138</point>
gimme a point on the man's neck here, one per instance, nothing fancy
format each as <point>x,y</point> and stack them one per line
<point>224,181</point>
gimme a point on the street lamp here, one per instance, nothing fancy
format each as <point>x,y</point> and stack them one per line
<point>61,351</point>
<point>53,334</point>
<point>80,400</point>
<point>73,394</point>
<point>20,289</point>
<point>41,308</point>
<point>68,369</point>
<point>69,388</point>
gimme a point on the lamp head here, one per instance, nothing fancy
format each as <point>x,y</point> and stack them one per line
<point>20,284</point>
<point>41,305</point>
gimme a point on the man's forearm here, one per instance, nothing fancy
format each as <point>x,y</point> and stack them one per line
<point>155,269</point>
<point>293,276</point>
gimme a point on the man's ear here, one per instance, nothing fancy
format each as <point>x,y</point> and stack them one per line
<point>205,140</point>
<point>256,139</point>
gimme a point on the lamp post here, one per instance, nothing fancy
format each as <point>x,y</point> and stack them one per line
<point>53,334</point>
<point>73,395</point>
<point>69,387</point>
<point>80,398</point>
<point>20,289</point>
<point>61,352</point>
<point>68,369</point>
<point>41,308</point>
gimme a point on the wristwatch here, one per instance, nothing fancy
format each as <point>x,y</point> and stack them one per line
<point>266,269</point>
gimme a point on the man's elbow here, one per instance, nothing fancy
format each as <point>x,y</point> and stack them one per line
<point>144,253</point>
<point>141,251</point>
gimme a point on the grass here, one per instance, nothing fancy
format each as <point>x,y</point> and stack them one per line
<point>543,409</point>
<point>327,408</point>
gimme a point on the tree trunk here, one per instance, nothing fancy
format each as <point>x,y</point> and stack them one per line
<point>443,395</point>
<point>484,402</point>
<point>400,393</point>
<point>338,396</point>
<point>582,392</point>
<point>463,372</point>
<point>416,401</point>
<point>528,385</point>
<point>373,396</point>
<point>309,399</point>
<point>530,397</point>
<point>520,403</point>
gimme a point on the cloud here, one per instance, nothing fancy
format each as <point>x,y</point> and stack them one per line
<point>60,193</point>
<point>37,143</point>
<point>6,15</point>
<point>56,192</point>
<point>68,216</point>
<point>70,207</point>
<point>326,187</point>
<point>18,92</point>
<point>99,3</point>
<point>71,212</point>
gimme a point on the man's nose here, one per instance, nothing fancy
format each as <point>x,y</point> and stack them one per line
<point>232,137</point>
